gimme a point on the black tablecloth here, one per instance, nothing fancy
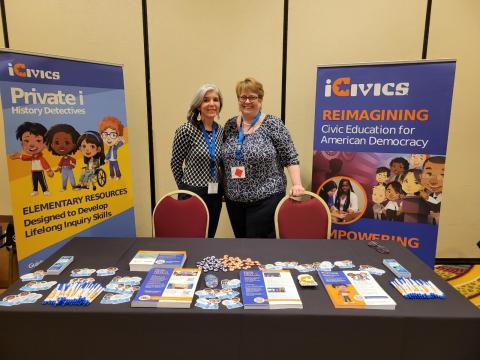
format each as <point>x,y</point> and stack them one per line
<point>417,329</point>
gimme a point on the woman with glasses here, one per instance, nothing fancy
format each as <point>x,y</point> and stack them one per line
<point>196,152</point>
<point>256,149</point>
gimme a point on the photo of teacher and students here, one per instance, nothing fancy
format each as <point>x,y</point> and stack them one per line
<point>401,190</point>
<point>345,198</point>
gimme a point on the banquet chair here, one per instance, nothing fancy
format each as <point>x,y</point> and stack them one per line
<point>185,216</point>
<point>303,219</point>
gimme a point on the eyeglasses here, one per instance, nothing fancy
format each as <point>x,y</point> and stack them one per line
<point>250,98</point>
<point>380,248</point>
<point>111,135</point>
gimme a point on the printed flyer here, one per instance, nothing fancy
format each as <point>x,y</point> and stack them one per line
<point>67,150</point>
<point>379,152</point>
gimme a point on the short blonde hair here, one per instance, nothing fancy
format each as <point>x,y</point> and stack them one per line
<point>250,84</point>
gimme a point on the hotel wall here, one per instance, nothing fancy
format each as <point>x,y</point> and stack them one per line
<point>214,41</point>
<point>221,42</point>
<point>454,33</point>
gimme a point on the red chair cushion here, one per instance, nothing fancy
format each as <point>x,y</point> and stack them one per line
<point>180,218</point>
<point>303,220</point>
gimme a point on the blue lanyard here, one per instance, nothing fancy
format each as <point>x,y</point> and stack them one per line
<point>211,148</point>
<point>241,135</point>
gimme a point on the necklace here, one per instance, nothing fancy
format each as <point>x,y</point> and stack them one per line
<point>248,129</point>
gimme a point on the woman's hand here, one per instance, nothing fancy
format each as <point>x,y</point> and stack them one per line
<point>297,190</point>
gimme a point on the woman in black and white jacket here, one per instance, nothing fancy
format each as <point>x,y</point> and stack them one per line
<point>196,151</point>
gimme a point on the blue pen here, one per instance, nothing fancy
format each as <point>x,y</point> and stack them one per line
<point>404,290</point>
<point>425,290</point>
<point>408,287</point>
<point>398,287</point>
<point>418,291</point>
<point>432,291</point>
<point>83,294</point>
<point>440,294</point>
<point>404,286</point>
<point>66,296</point>
<point>415,294</point>
<point>59,295</point>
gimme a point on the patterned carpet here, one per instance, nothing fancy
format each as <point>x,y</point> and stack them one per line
<point>464,278</point>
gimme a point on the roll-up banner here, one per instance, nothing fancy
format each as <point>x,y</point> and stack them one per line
<point>379,154</point>
<point>67,150</point>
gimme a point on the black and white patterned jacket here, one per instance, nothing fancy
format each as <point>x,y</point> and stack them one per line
<point>264,155</point>
<point>190,162</point>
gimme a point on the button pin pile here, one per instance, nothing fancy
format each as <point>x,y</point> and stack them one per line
<point>226,263</point>
<point>211,263</point>
<point>235,263</point>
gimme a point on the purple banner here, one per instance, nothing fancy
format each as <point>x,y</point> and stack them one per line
<point>380,148</point>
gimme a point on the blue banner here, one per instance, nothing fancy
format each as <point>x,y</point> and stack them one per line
<point>380,145</point>
<point>68,157</point>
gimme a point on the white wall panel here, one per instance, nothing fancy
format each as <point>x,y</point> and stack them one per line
<point>323,32</point>
<point>455,33</point>
<point>211,41</point>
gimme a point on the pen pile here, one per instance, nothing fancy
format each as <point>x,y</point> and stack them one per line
<point>73,294</point>
<point>417,289</point>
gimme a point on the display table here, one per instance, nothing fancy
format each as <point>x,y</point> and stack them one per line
<point>417,329</point>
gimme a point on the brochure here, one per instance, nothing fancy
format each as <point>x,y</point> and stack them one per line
<point>145,260</point>
<point>269,289</point>
<point>356,290</point>
<point>60,265</point>
<point>172,288</point>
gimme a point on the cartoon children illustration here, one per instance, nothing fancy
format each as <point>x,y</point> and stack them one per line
<point>382,175</point>
<point>112,134</point>
<point>432,180</point>
<point>414,210</point>
<point>361,276</point>
<point>417,160</point>
<point>378,197</point>
<point>343,292</point>
<point>61,140</point>
<point>32,138</point>
<point>91,146</point>
<point>393,208</point>
<point>398,167</point>
<point>327,193</point>
<point>411,182</point>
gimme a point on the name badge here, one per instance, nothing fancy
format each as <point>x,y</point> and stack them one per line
<point>213,188</point>
<point>238,172</point>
